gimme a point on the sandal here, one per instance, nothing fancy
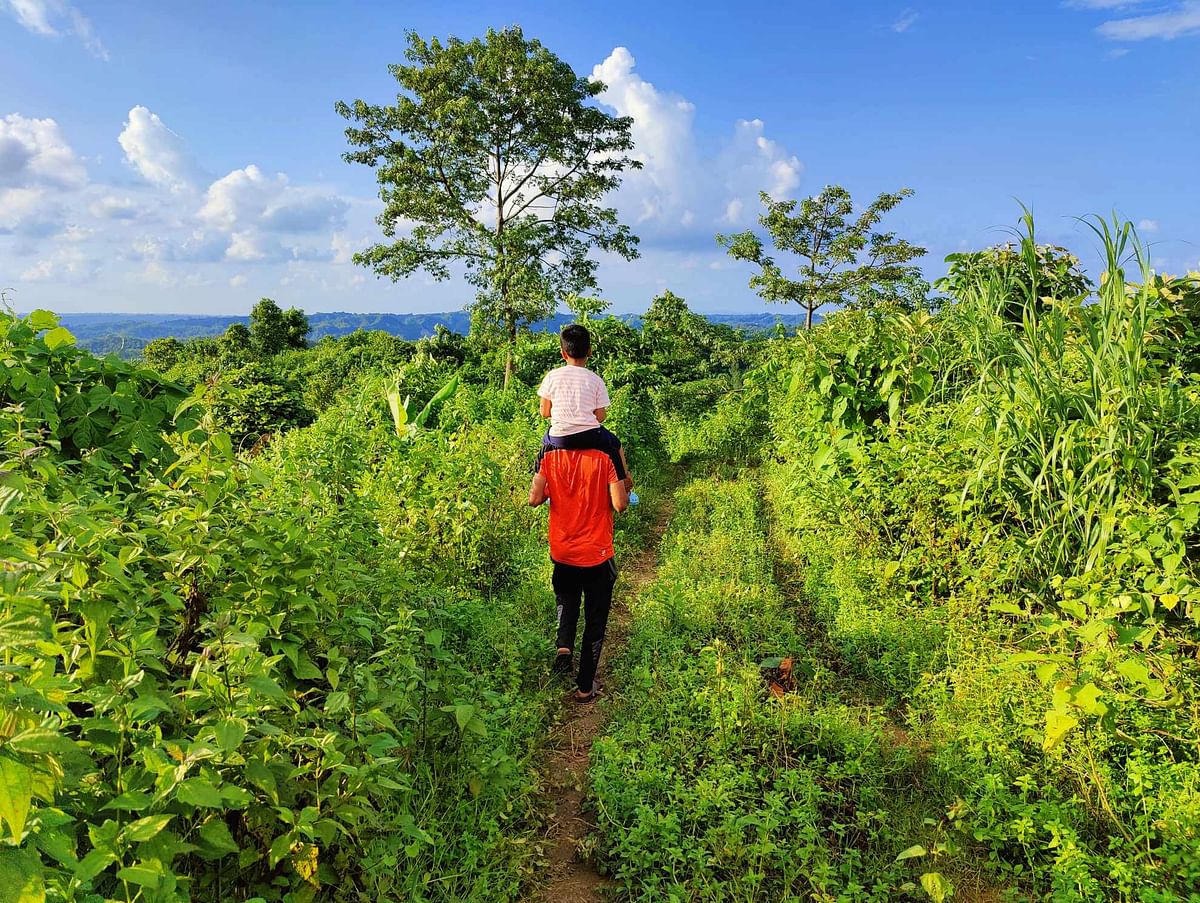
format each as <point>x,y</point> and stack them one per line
<point>587,698</point>
<point>562,664</point>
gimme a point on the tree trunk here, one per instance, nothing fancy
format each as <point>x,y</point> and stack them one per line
<point>808,318</point>
<point>512,346</point>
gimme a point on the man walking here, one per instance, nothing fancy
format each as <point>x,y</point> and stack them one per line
<point>584,490</point>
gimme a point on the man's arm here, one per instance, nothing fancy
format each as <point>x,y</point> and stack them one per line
<point>618,495</point>
<point>600,413</point>
<point>537,490</point>
<point>545,407</point>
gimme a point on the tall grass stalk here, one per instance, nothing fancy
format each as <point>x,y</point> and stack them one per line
<point>1071,411</point>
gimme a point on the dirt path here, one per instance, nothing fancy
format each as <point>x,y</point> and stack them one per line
<point>571,877</point>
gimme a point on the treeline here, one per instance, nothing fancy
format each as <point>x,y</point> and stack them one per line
<point>259,379</point>
<point>125,335</point>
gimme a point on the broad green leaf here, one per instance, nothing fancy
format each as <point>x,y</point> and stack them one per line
<point>912,853</point>
<point>57,845</point>
<point>1134,670</point>
<point>230,732</point>
<point>145,828</point>
<point>199,792</point>
<point>936,886</point>
<point>261,777</point>
<point>399,413</point>
<point>1058,725</point>
<point>20,877</point>
<point>141,875</point>
<point>93,864</point>
<point>463,714</point>
<point>58,337</point>
<point>216,836</point>
<point>42,319</point>
<point>266,686</point>
<point>38,740</point>
<point>1088,698</point>
<point>280,848</point>
<point>129,801</point>
<point>16,793</point>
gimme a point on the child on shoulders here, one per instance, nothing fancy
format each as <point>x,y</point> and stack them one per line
<point>576,401</point>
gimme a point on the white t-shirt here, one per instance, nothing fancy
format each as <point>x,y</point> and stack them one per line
<point>574,393</point>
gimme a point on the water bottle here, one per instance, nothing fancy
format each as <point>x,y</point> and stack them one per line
<point>633,499</point>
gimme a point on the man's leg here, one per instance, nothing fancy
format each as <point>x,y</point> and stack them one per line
<point>597,600</point>
<point>568,588</point>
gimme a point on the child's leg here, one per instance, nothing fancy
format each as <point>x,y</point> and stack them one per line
<point>548,442</point>
<point>616,452</point>
<point>597,439</point>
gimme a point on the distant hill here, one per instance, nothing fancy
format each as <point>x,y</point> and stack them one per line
<point>127,334</point>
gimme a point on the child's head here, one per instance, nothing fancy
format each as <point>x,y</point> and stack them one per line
<point>575,342</point>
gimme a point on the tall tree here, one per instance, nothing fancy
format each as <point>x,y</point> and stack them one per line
<point>494,158</point>
<point>841,258</point>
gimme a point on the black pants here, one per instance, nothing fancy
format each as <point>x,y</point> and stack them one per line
<point>599,439</point>
<point>595,585</point>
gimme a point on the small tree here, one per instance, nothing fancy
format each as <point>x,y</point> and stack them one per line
<point>830,243</point>
<point>586,308</point>
<point>272,330</point>
<point>236,343</point>
<point>162,354</point>
<point>295,325</point>
<point>494,158</point>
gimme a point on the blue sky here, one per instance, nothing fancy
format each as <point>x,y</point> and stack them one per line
<point>185,157</point>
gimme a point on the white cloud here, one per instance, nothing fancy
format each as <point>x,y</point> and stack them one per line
<point>906,20</point>
<point>52,19</point>
<point>76,233</point>
<point>68,264</point>
<point>662,135</point>
<point>34,152</point>
<point>238,281</point>
<point>246,197</point>
<point>30,212</point>
<point>1182,20</point>
<point>195,247</point>
<point>112,207</point>
<point>344,249</point>
<point>156,152</point>
<point>1148,225</point>
<point>679,189</point>
<point>1142,21</point>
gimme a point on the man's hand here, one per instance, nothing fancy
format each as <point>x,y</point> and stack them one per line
<point>537,490</point>
<point>619,495</point>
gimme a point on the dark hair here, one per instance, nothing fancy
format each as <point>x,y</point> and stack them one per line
<point>575,341</point>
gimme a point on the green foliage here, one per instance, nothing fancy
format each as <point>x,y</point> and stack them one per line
<point>709,785</point>
<point>249,403</point>
<point>272,330</point>
<point>63,401</point>
<point>841,259</point>
<point>1004,551</point>
<point>317,671</point>
<point>494,150</point>
<point>1024,274</point>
